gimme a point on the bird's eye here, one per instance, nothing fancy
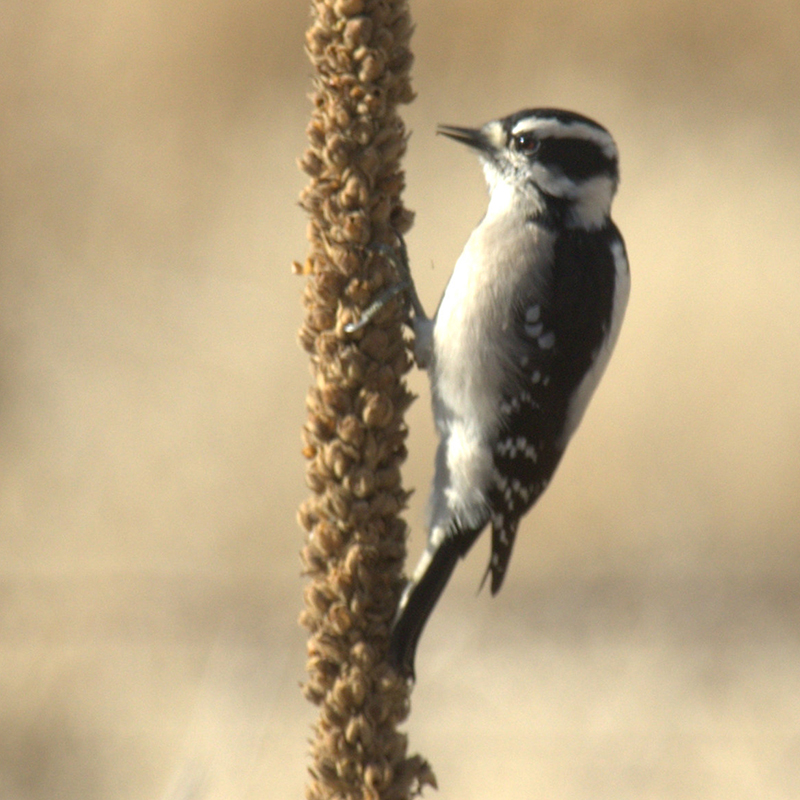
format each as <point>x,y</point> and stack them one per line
<point>526,143</point>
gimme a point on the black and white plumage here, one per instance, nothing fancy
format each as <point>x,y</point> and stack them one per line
<point>519,342</point>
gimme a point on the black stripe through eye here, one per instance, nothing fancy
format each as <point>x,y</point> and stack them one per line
<point>578,159</point>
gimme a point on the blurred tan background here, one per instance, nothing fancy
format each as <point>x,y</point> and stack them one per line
<point>647,641</point>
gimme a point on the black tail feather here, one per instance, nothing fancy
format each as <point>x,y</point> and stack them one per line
<point>418,604</point>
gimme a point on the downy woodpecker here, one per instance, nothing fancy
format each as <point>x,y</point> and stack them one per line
<point>519,342</point>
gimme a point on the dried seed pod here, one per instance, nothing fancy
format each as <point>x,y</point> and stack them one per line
<point>354,435</point>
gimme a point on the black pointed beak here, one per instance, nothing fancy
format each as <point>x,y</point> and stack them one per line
<point>472,137</point>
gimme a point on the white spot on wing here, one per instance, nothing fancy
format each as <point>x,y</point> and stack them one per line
<point>533,313</point>
<point>547,340</point>
<point>534,330</point>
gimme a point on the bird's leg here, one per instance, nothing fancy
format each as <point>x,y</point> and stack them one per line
<point>398,258</point>
<point>420,323</point>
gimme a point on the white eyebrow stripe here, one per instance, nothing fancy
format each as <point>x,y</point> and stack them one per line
<point>556,129</point>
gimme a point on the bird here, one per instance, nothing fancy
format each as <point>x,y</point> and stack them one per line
<point>520,339</point>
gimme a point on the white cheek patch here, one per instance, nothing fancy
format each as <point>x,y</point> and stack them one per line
<point>551,183</point>
<point>591,198</point>
<point>594,202</point>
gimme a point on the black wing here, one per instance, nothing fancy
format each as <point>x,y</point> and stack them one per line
<point>559,329</point>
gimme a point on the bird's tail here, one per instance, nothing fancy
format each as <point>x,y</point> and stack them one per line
<point>420,597</point>
<point>417,602</point>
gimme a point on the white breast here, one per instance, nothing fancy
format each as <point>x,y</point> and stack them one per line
<point>470,339</point>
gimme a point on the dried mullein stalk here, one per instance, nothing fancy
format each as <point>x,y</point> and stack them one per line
<point>354,437</point>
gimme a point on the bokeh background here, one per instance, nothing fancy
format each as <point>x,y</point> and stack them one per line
<point>647,641</point>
